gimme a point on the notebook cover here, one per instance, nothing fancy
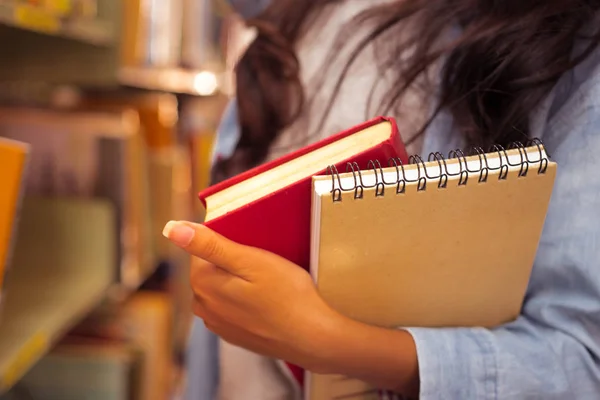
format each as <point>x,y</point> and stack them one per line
<point>466,262</point>
<point>441,257</point>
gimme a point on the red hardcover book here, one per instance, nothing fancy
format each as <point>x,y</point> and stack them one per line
<point>270,206</point>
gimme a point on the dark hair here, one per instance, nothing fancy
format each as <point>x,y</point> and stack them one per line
<point>503,59</point>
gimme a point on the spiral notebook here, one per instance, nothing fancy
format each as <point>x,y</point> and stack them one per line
<point>439,243</point>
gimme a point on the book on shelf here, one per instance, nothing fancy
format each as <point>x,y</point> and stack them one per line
<point>447,242</point>
<point>83,368</point>
<point>13,162</point>
<point>145,320</point>
<point>168,162</point>
<point>63,265</point>
<point>92,155</point>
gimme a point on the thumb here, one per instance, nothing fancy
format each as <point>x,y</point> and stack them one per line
<point>202,242</point>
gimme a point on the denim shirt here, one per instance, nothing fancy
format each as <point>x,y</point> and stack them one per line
<point>552,351</point>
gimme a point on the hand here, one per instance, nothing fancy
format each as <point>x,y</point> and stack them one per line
<point>256,299</point>
<point>266,304</point>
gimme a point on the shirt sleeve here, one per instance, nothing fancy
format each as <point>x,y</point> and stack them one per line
<point>553,350</point>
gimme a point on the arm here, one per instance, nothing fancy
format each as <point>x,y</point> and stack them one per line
<point>550,352</point>
<point>553,350</point>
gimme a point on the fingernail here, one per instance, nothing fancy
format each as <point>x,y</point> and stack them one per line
<point>179,233</point>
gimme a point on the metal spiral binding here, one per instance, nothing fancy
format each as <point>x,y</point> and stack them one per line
<point>423,174</point>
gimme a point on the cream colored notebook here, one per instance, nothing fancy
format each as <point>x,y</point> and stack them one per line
<point>440,243</point>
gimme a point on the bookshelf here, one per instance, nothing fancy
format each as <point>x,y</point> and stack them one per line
<point>172,80</point>
<point>108,53</point>
<point>49,290</point>
<point>62,75</point>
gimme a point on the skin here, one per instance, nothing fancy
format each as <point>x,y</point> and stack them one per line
<point>257,300</point>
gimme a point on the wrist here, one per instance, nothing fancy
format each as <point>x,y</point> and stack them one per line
<point>385,358</point>
<point>315,337</point>
<point>327,350</point>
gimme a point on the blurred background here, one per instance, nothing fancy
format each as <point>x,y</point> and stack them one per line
<point>108,112</point>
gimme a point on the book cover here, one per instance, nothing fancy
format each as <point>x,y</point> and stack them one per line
<point>280,221</point>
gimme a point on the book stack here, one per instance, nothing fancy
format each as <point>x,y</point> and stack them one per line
<point>393,241</point>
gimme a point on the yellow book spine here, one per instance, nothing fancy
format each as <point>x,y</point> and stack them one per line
<point>13,158</point>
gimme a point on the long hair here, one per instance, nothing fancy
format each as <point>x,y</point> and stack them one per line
<point>499,59</point>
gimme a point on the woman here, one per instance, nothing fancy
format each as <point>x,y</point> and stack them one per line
<point>493,72</point>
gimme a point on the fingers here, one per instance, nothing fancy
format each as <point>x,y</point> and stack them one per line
<point>205,277</point>
<point>202,242</point>
<point>213,287</point>
<point>228,332</point>
<point>199,310</point>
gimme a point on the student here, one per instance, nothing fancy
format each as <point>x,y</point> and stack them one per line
<point>489,72</point>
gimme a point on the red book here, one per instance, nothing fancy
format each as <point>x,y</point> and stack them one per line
<point>270,206</point>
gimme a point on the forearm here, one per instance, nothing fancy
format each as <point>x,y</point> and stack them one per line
<point>385,358</point>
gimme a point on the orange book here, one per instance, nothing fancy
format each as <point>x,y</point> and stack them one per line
<point>13,159</point>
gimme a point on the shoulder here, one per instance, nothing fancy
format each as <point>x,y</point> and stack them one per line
<point>572,138</point>
<point>573,120</point>
<point>228,133</point>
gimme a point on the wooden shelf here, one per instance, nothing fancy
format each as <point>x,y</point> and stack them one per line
<point>36,19</point>
<point>63,265</point>
<point>173,80</point>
